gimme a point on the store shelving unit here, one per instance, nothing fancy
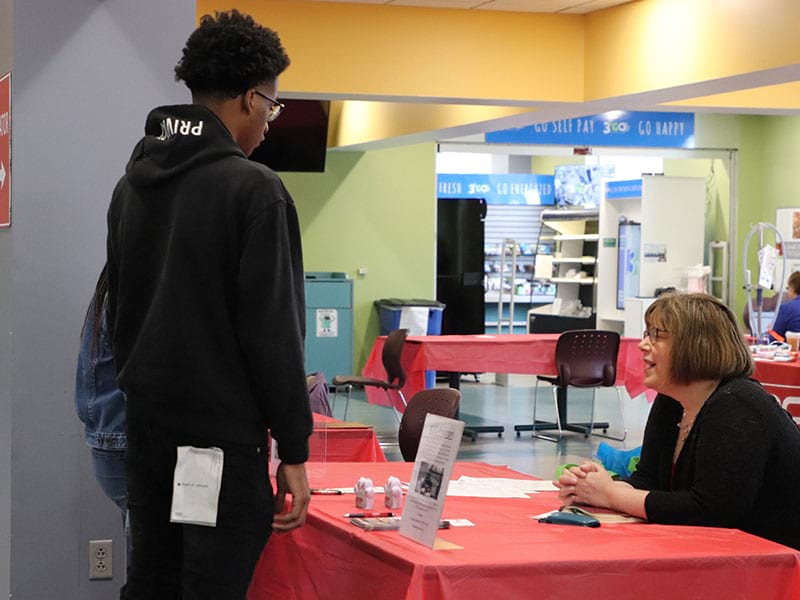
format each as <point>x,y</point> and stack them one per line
<point>671,213</point>
<point>574,266</point>
<point>511,266</point>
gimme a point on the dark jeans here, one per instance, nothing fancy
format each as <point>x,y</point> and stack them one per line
<point>192,562</point>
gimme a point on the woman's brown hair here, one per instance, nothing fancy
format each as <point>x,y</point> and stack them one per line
<point>97,306</point>
<point>706,340</point>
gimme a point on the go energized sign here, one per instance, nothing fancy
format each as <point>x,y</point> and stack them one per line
<point>615,128</point>
<point>497,189</point>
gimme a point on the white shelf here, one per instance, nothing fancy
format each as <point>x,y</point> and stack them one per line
<point>578,280</point>
<point>492,296</point>
<point>586,237</point>
<point>578,260</point>
<point>505,324</point>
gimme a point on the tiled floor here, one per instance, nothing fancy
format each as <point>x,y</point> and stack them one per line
<point>509,405</point>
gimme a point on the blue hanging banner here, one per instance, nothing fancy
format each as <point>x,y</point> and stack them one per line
<point>497,189</point>
<point>617,190</point>
<point>615,128</point>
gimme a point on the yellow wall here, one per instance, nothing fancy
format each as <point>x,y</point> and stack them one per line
<point>523,68</point>
<point>363,50</point>
<point>656,44</point>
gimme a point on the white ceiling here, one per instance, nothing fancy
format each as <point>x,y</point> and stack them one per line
<point>534,6</point>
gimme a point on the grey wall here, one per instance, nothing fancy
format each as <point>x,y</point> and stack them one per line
<point>5,347</point>
<point>85,73</point>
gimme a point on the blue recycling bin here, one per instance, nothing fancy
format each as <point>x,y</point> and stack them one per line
<point>390,310</point>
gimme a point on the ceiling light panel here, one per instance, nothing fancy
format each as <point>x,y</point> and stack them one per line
<point>537,6</point>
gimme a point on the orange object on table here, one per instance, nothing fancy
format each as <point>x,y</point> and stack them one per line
<point>509,554</point>
<point>532,354</point>
<point>341,441</point>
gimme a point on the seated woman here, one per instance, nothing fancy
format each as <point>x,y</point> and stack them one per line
<point>718,450</point>
<point>788,318</point>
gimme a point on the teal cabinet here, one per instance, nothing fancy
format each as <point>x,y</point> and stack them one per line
<point>329,323</point>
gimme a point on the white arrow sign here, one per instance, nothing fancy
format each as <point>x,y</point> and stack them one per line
<point>2,175</point>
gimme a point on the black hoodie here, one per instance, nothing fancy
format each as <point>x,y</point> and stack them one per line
<point>206,289</point>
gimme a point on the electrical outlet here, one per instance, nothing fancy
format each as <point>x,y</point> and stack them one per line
<point>101,559</point>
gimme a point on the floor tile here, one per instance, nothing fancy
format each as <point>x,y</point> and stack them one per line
<point>512,404</point>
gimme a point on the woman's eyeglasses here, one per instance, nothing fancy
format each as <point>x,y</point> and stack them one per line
<point>653,333</point>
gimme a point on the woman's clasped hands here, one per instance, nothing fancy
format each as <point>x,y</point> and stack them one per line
<point>588,483</point>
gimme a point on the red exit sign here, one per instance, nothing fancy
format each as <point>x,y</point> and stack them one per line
<point>5,150</point>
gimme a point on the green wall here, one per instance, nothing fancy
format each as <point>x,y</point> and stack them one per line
<point>769,178</point>
<point>545,165</point>
<point>375,210</point>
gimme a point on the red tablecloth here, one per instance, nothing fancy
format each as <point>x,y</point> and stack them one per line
<point>516,353</point>
<point>509,555</point>
<point>339,441</point>
<point>779,378</point>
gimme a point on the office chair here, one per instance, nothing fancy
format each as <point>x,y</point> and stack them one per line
<point>585,358</point>
<point>438,401</point>
<point>395,375</point>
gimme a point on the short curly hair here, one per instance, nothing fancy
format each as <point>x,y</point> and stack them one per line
<point>230,53</point>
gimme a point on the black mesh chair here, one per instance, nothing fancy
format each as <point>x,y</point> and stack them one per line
<point>395,375</point>
<point>585,358</point>
<point>438,401</point>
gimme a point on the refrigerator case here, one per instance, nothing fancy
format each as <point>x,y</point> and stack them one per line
<point>628,259</point>
<point>459,264</point>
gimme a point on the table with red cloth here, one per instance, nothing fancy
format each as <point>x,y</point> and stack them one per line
<point>508,554</point>
<point>532,354</point>
<point>342,441</point>
<point>779,378</point>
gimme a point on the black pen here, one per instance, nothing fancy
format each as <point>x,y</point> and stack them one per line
<point>362,515</point>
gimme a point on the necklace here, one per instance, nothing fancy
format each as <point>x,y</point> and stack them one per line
<point>685,428</point>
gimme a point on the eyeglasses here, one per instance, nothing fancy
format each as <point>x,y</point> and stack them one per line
<point>275,109</point>
<point>653,333</point>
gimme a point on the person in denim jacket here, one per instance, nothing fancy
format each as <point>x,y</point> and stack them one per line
<point>100,402</point>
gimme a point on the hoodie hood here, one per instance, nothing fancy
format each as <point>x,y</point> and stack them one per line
<point>178,138</point>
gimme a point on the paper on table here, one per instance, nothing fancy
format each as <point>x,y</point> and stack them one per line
<point>438,448</point>
<point>497,487</point>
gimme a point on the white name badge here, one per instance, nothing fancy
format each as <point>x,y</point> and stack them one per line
<point>195,487</point>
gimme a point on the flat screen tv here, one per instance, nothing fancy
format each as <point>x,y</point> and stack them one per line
<point>298,139</point>
<point>629,250</point>
<point>579,186</point>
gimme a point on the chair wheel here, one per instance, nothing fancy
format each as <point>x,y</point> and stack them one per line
<point>500,434</point>
<point>605,430</point>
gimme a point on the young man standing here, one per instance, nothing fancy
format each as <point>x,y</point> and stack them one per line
<point>206,305</point>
